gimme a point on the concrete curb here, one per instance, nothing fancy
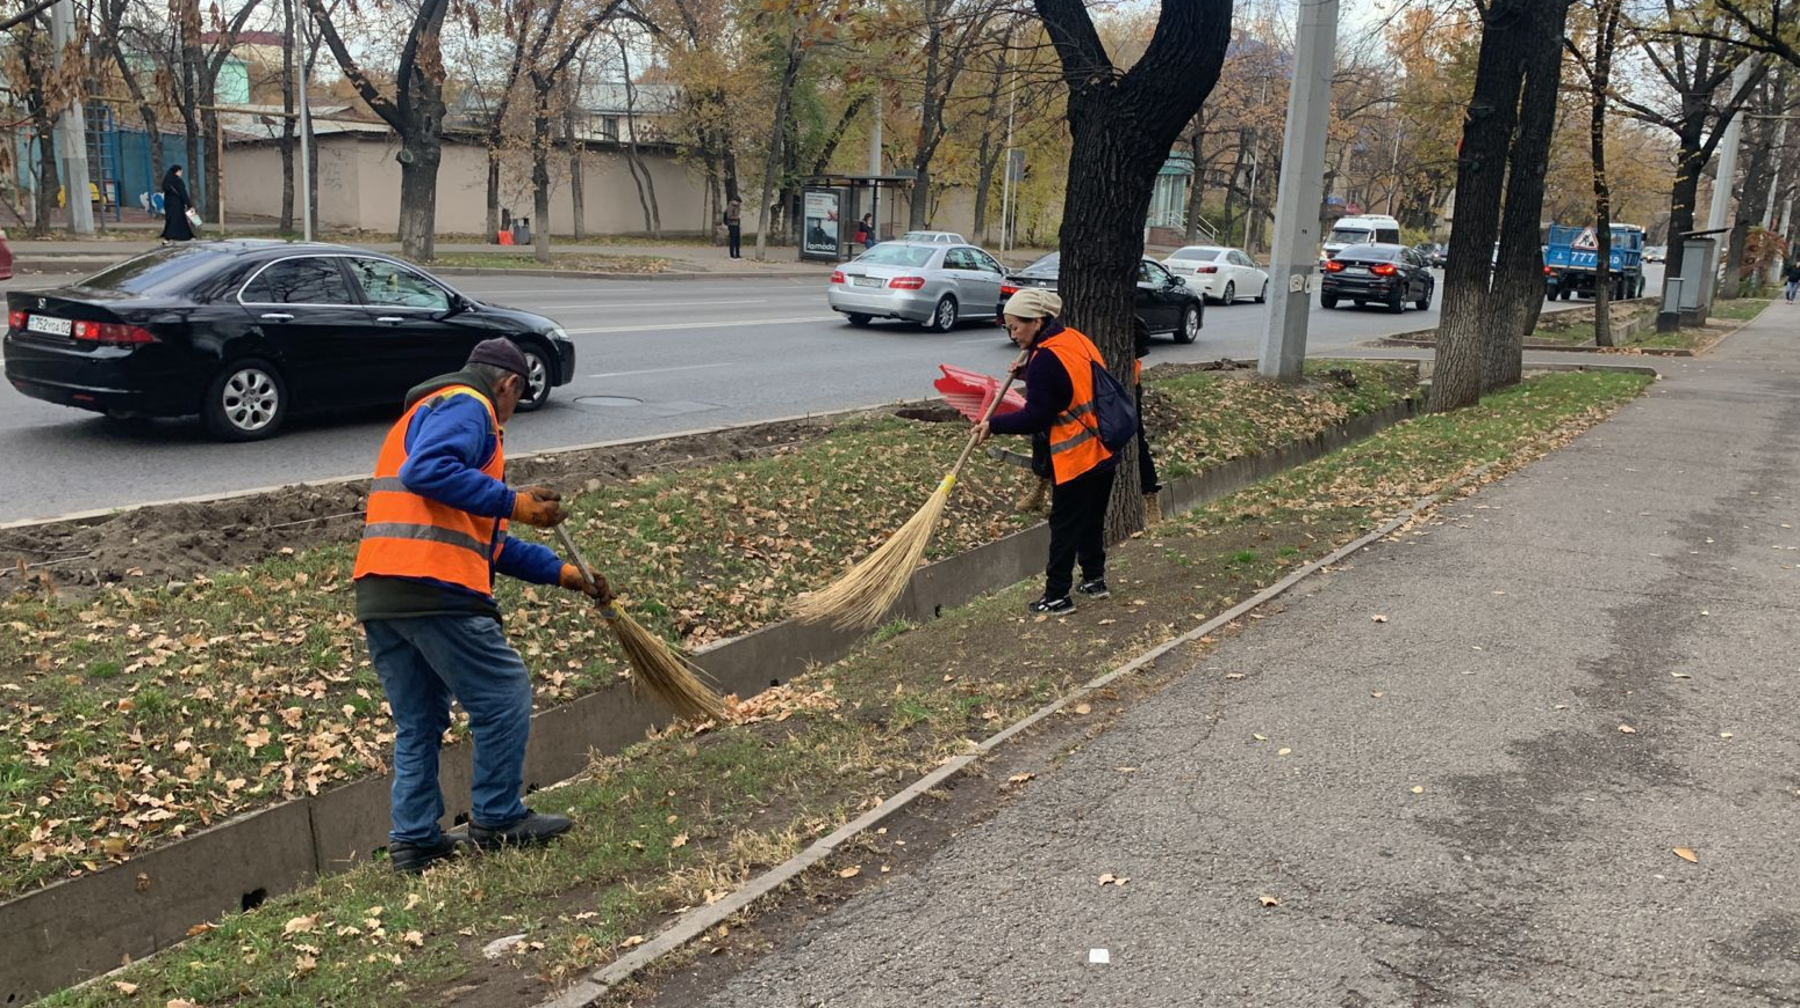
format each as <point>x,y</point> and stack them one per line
<point>698,921</point>
<point>602,275</point>
<point>74,928</point>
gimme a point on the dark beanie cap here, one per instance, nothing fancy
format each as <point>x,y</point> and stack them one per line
<point>501,353</point>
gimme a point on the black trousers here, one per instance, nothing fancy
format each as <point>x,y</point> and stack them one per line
<point>736,232</point>
<point>1077,531</point>
<point>1147,479</point>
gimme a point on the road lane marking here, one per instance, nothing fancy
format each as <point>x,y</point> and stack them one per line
<point>701,325</point>
<point>647,304</point>
<point>661,370</point>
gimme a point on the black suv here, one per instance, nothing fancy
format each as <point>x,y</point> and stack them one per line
<point>1390,275</point>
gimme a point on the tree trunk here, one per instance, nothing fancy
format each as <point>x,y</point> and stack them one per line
<point>47,179</point>
<point>577,186</point>
<point>1463,325</point>
<point>1752,204</point>
<point>540,178</point>
<point>646,186</point>
<point>1519,275</point>
<point>772,161</point>
<point>1121,127</point>
<point>287,121</point>
<point>1196,192</point>
<point>493,190</point>
<point>1599,81</point>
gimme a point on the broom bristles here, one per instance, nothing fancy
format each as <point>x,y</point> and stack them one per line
<point>867,591</point>
<point>665,672</point>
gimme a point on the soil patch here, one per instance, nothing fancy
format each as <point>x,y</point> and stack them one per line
<point>177,542</point>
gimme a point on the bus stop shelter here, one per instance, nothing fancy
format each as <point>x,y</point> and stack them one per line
<point>832,204</point>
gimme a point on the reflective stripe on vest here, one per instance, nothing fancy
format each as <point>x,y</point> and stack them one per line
<point>409,535</point>
<point>1075,444</point>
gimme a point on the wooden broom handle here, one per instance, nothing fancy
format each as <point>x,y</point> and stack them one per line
<point>988,414</point>
<point>581,564</point>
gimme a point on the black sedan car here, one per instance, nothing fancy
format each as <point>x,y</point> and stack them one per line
<point>1390,275</point>
<point>243,332</point>
<point>1165,303</point>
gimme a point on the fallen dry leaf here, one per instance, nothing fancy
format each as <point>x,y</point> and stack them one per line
<point>632,942</point>
<point>1083,708</point>
<point>124,987</point>
<point>1020,778</point>
<point>1418,789</point>
<point>1681,675</point>
<point>1268,901</point>
<point>1283,752</point>
<point>300,925</point>
<point>1687,854</point>
<point>414,938</point>
<point>1115,880</point>
<point>305,964</point>
<point>680,840</point>
<point>1379,618</point>
<point>1627,729</point>
<point>850,872</point>
<point>1259,737</point>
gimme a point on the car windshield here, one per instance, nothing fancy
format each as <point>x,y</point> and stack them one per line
<point>897,255</point>
<point>1379,253</point>
<point>1046,266</point>
<point>164,271</point>
<point>1201,254</point>
<point>1349,236</point>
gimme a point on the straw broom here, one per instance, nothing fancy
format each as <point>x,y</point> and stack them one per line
<point>666,672</point>
<point>865,593</point>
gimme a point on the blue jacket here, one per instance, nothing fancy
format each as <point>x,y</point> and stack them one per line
<point>446,447</point>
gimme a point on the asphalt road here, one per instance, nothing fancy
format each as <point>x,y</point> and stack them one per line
<point>654,357</point>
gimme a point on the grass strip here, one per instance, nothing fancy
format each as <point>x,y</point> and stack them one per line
<point>679,820</point>
<point>573,261</point>
<point>135,716</point>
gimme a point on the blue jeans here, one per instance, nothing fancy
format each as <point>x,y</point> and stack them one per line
<point>424,663</point>
<point>1791,286</point>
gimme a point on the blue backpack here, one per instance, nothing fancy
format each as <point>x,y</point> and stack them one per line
<point>1115,412</point>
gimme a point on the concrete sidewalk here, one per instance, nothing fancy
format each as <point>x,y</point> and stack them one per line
<point>1463,818</point>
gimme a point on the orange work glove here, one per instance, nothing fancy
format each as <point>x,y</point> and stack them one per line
<point>597,589</point>
<point>538,506</point>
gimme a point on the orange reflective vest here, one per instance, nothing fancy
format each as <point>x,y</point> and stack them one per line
<point>1075,444</point>
<point>411,536</point>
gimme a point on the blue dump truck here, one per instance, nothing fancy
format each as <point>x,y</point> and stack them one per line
<point>1572,254</point>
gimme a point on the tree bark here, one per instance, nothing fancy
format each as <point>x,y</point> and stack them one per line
<point>540,177</point>
<point>1519,275</point>
<point>1122,125</point>
<point>577,183</point>
<point>772,161</point>
<point>1463,325</point>
<point>287,121</point>
<point>647,186</point>
<point>1599,81</point>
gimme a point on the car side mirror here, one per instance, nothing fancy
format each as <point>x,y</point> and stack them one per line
<point>1175,281</point>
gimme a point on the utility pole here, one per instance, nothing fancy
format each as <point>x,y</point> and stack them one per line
<point>1006,183</point>
<point>1295,262</point>
<point>1724,180</point>
<point>300,68</point>
<point>71,130</point>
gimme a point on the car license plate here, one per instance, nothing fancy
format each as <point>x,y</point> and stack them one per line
<point>864,281</point>
<point>48,325</point>
<point>1354,269</point>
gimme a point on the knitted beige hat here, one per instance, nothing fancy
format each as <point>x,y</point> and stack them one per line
<point>1034,302</point>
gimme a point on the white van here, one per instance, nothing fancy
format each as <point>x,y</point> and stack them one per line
<point>1360,230</point>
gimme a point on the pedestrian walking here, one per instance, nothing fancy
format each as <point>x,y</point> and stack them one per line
<point>176,207</point>
<point>1793,280</point>
<point>435,534</point>
<point>1065,444</point>
<point>734,228</point>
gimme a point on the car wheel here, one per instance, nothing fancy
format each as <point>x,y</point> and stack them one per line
<point>858,319</point>
<point>1328,300</point>
<point>1230,293</point>
<point>1424,302</point>
<point>1397,304</point>
<point>1189,329</point>
<point>537,383</point>
<point>245,401</point>
<point>1263,295</point>
<point>943,317</point>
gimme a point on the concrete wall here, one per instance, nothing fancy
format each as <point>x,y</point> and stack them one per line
<point>359,187</point>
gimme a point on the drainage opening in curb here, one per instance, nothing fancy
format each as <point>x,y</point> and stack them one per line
<point>253,899</point>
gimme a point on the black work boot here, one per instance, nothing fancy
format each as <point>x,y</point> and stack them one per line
<point>412,858</point>
<point>535,828</point>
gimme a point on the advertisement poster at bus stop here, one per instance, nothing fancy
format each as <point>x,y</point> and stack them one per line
<point>819,223</point>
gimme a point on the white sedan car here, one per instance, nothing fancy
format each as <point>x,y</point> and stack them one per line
<point>1220,274</point>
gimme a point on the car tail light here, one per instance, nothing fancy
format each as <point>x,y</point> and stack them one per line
<point>1383,269</point>
<point>1549,272</point>
<point>1333,266</point>
<point>117,333</point>
<point>1206,269</point>
<point>907,283</point>
<point>837,276</point>
<point>15,320</point>
<point>1008,290</point>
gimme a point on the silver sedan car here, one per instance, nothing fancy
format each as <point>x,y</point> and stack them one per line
<point>928,283</point>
